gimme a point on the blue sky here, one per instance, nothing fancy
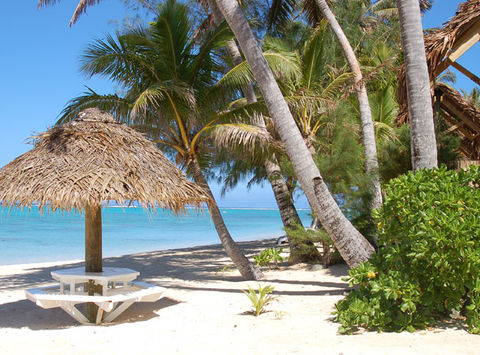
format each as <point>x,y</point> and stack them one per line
<point>39,72</point>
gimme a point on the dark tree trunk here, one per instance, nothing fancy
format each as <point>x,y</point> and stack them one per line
<point>246,268</point>
<point>300,250</point>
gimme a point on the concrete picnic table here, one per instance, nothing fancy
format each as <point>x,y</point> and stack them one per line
<point>119,291</point>
<point>109,276</point>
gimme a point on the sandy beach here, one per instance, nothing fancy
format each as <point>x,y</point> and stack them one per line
<point>205,312</point>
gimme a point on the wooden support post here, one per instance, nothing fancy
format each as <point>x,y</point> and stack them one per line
<point>93,253</point>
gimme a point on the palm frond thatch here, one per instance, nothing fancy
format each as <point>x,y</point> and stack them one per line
<point>438,46</point>
<point>91,160</point>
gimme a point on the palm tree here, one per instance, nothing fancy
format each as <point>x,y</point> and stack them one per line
<point>288,212</point>
<point>422,131</point>
<point>167,79</point>
<point>353,247</point>
<point>371,160</point>
<point>282,8</point>
<point>473,97</point>
<point>388,8</point>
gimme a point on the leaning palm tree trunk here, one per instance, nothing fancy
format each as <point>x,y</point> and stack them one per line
<point>422,131</point>
<point>246,268</point>
<point>353,247</point>
<point>300,251</point>
<point>368,130</point>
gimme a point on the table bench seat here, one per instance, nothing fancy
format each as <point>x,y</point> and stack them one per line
<point>124,297</point>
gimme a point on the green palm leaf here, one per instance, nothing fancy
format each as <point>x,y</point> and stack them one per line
<point>118,106</point>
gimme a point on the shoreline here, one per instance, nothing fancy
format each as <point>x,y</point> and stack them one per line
<point>42,264</point>
<point>205,311</point>
<point>47,263</point>
<point>61,236</point>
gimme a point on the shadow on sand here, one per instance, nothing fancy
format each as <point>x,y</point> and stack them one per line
<point>168,268</point>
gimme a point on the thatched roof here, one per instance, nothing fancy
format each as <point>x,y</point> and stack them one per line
<point>461,117</point>
<point>440,44</point>
<point>91,160</point>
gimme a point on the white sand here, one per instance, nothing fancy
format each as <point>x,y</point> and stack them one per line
<point>204,313</point>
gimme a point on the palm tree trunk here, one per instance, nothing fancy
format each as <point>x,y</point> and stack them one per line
<point>353,247</point>
<point>246,268</point>
<point>368,129</point>
<point>422,131</point>
<point>288,212</point>
<point>300,251</point>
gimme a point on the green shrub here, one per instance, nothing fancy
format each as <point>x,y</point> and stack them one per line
<point>329,254</point>
<point>261,300</point>
<point>428,263</point>
<point>269,256</point>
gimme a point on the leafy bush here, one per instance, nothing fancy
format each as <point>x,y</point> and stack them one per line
<point>269,256</point>
<point>329,254</point>
<point>428,263</point>
<point>261,300</point>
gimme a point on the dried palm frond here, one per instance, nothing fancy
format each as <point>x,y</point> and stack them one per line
<point>81,7</point>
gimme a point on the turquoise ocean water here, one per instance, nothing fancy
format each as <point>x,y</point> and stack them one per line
<point>28,237</point>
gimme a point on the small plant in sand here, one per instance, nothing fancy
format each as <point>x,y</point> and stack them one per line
<point>226,268</point>
<point>269,256</point>
<point>280,314</point>
<point>260,300</point>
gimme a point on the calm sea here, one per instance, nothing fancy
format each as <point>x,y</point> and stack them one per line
<point>28,237</point>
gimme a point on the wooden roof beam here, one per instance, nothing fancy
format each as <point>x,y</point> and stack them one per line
<point>463,44</point>
<point>466,72</point>
<point>465,132</point>
<point>452,110</point>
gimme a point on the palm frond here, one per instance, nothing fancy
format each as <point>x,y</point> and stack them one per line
<point>283,65</point>
<point>116,58</point>
<point>313,57</point>
<point>246,137</point>
<point>280,12</point>
<point>118,106</point>
<point>204,62</point>
<point>334,88</point>
<point>385,132</point>
<point>81,7</point>
<point>171,32</point>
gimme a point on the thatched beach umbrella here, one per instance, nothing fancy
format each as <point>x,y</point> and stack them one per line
<point>93,160</point>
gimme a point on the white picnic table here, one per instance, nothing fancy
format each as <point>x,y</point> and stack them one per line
<point>119,291</point>
<point>110,276</point>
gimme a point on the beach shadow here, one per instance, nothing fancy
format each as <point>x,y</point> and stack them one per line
<point>26,314</point>
<point>310,283</point>
<point>189,264</point>
<point>339,270</point>
<point>328,292</point>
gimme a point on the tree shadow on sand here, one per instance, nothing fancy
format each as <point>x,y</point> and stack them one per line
<point>26,314</point>
<point>189,264</point>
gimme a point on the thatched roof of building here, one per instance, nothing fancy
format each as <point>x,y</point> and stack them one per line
<point>91,160</point>
<point>461,117</point>
<point>454,36</point>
